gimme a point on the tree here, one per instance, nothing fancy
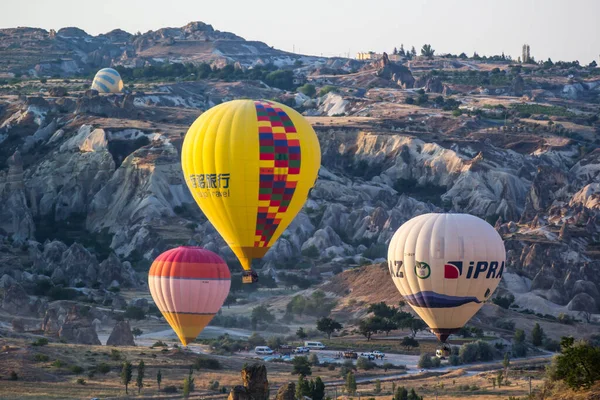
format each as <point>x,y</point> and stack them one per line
<point>313,359</point>
<point>504,301</point>
<point>578,365</point>
<point>367,327</point>
<point>425,361</point>
<point>416,326</point>
<point>427,51</point>
<point>301,334</point>
<point>308,89</point>
<point>188,384</point>
<point>262,314</point>
<point>401,305</point>
<point>256,340</point>
<point>401,394</point>
<point>519,336</point>
<point>401,51</point>
<point>409,342</point>
<point>593,64</point>
<point>351,383</point>
<point>328,326</point>
<point>414,396</point>
<point>136,332</point>
<point>468,353</point>
<point>302,388</point>
<point>140,376</point>
<point>274,342</point>
<point>499,378</point>
<point>506,364</point>
<point>377,386</point>
<point>159,378</point>
<point>382,310</point>
<point>126,375</point>
<point>318,392</point>
<point>413,52</point>
<point>537,335</point>
<point>301,366</point>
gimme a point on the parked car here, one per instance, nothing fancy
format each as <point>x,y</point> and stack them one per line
<point>314,345</point>
<point>350,354</point>
<point>301,349</point>
<point>263,350</point>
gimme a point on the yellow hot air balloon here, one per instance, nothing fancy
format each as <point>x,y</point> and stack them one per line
<point>189,286</point>
<point>445,266</point>
<point>250,165</point>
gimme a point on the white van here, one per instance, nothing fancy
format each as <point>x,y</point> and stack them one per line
<point>314,345</point>
<point>263,350</point>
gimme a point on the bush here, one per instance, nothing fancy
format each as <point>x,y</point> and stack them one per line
<point>76,369</point>
<point>160,343</point>
<point>505,324</point>
<point>457,112</point>
<point>133,312</point>
<point>436,362</point>
<point>425,361</point>
<point>308,89</point>
<point>365,364</point>
<point>103,368</point>
<point>206,363</point>
<point>519,349</point>
<point>13,376</point>
<point>409,100</point>
<point>214,385</point>
<point>115,355</point>
<point>468,353</point>
<point>80,381</point>
<point>40,342</point>
<point>551,345</point>
<point>313,359</point>
<point>58,363</point>
<point>454,360</point>
<point>326,89</point>
<point>301,366</point>
<point>170,389</point>
<point>504,301</point>
<point>41,357</point>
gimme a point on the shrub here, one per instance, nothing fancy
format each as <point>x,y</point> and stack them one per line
<point>308,89</point>
<point>40,342</point>
<point>365,364</point>
<point>313,359</point>
<point>13,376</point>
<point>103,368</point>
<point>409,100</point>
<point>80,381</point>
<point>115,354</point>
<point>457,112</point>
<point>160,343</point>
<point>58,363</point>
<point>504,301</point>
<point>468,353</point>
<point>170,389</point>
<point>76,369</point>
<point>454,360</point>
<point>206,363</point>
<point>425,361</point>
<point>214,385</point>
<point>326,89</point>
<point>41,357</point>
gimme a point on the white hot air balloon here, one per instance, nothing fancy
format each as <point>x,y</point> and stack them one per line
<point>107,80</point>
<point>445,266</point>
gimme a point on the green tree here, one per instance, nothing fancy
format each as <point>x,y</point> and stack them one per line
<point>367,327</point>
<point>126,375</point>
<point>308,90</point>
<point>409,342</point>
<point>328,326</point>
<point>416,326</point>
<point>377,386</point>
<point>401,394</point>
<point>537,335</point>
<point>414,396</point>
<point>256,340</point>
<point>519,336</point>
<point>318,392</point>
<point>427,51</point>
<point>159,378</point>
<point>578,365</point>
<point>382,310</point>
<point>188,384</point>
<point>301,366</point>
<point>301,334</point>
<point>140,376</point>
<point>136,332</point>
<point>506,364</point>
<point>302,388</point>
<point>351,383</point>
<point>262,314</point>
<point>313,359</point>
<point>425,361</point>
<point>468,353</point>
<point>413,52</point>
<point>499,378</point>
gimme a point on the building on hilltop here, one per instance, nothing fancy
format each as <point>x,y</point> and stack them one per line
<point>372,56</point>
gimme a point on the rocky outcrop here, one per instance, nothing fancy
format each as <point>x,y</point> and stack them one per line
<point>15,217</point>
<point>121,335</point>
<point>78,329</point>
<point>286,392</point>
<point>397,73</point>
<point>255,384</point>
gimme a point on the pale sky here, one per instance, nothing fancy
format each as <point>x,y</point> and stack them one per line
<point>560,29</point>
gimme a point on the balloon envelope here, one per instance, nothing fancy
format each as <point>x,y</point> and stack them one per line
<point>189,286</point>
<point>250,165</point>
<point>445,266</point>
<point>107,80</point>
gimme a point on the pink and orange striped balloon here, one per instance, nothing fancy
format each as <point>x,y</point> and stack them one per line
<point>189,286</point>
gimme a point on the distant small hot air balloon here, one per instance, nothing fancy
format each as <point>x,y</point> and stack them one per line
<point>189,286</point>
<point>250,165</point>
<point>107,80</point>
<point>445,266</point>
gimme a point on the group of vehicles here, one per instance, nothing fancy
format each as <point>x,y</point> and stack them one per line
<point>288,350</point>
<point>371,355</point>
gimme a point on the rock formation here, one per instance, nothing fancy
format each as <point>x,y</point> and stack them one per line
<point>121,335</point>
<point>255,384</point>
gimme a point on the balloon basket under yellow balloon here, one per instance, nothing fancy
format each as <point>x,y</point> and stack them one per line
<point>249,277</point>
